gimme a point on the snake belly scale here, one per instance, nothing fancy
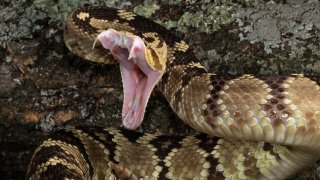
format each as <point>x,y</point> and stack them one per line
<point>252,126</point>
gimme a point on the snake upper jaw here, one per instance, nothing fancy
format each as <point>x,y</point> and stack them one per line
<point>137,77</point>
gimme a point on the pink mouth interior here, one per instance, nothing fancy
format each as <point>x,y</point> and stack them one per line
<point>137,77</point>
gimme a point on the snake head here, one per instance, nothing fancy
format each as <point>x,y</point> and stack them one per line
<point>140,72</point>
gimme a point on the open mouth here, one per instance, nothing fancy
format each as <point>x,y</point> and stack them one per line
<point>137,77</point>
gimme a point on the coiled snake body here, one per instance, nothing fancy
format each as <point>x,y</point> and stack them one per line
<point>254,127</point>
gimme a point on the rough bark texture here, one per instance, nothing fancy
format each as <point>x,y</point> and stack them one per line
<point>44,87</point>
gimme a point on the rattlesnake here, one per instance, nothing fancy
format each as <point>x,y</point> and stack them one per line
<point>254,127</point>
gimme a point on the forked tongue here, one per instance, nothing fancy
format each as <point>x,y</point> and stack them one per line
<point>137,77</point>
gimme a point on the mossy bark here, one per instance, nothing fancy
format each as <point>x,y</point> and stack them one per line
<point>44,87</point>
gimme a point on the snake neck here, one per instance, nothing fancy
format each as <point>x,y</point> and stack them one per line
<point>185,85</point>
<point>277,109</point>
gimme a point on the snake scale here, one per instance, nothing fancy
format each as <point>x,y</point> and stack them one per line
<point>252,126</point>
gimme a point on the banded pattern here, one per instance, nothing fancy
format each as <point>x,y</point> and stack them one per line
<point>280,113</point>
<point>92,152</point>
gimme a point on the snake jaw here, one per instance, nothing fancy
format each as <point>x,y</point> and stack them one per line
<point>137,77</point>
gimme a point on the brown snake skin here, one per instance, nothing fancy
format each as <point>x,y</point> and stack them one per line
<point>258,127</point>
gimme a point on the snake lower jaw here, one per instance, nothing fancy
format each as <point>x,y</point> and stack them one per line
<point>138,78</point>
<point>137,91</point>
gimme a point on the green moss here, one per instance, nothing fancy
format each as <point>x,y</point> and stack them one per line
<point>209,20</point>
<point>117,4</point>
<point>171,24</point>
<point>174,2</point>
<point>110,3</point>
<point>252,3</point>
<point>147,9</point>
<point>57,11</point>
